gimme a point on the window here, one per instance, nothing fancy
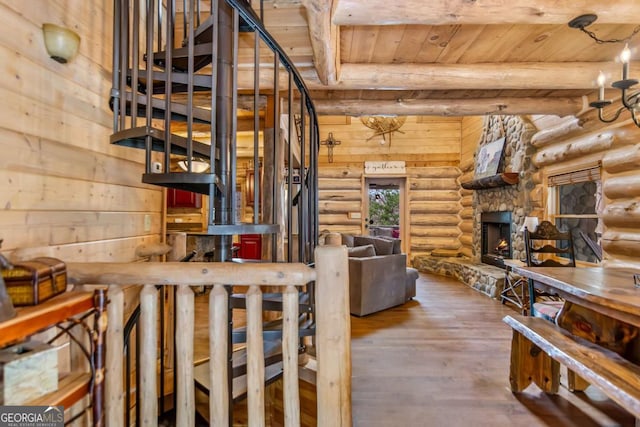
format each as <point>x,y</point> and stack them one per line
<point>574,199</point>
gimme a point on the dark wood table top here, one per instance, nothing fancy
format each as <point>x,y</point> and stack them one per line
<point>610,291</point>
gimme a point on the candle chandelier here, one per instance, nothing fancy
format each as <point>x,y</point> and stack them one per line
<point>630,99</point>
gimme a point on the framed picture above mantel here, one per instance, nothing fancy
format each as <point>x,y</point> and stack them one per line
<point>489,160</point>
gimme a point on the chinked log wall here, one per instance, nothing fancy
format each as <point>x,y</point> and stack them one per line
<point>584,141</point>
<point>433,204</point>
<point>430,147</point>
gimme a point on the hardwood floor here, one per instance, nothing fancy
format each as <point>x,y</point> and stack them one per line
<point>443,360</point>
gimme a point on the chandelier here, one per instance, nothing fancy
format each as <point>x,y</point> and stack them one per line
<point>630,100</point>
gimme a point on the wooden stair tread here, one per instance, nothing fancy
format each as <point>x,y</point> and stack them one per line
<point>70,389</point>
<point>615,376</point>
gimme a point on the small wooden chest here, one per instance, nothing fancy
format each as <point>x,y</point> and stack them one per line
<point>35,281</point>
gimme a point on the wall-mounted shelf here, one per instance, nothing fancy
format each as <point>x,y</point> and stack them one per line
<point>495,181</point>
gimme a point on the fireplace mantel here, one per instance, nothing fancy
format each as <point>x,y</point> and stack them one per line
<point>499,180</point>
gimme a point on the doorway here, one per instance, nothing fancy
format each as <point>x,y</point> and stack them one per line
<point>384,210</point>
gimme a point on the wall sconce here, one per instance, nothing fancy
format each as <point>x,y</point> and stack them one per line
<point>197,165</point>
<point>530,223</point>
<point>630,101</point>
<point>61,43</point>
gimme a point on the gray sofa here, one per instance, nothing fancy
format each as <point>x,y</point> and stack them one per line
<point>378,282</point>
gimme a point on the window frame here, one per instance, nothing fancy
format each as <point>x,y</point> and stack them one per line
<point>553,199</point>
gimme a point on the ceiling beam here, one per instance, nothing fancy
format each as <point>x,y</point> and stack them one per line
<point>324,39</point>
<point>450,12</point>
<point>518,75</point>
<point>451,107</point>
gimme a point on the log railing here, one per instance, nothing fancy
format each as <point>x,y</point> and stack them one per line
<point>332,334</point>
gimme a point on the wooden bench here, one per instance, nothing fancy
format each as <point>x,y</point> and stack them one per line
<point>539,347</point>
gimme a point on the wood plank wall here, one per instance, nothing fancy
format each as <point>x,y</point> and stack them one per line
<point>64,188</point>
<point>430,146</point>
<point>566,144</point>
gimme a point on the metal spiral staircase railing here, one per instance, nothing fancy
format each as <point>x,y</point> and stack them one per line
<point>151,83</point>
<point>159,91</point>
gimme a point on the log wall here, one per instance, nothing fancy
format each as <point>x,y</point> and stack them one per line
<point>472,128</point>
<point>586,142</point>
<point>430,147</point>
<point>64,188</point>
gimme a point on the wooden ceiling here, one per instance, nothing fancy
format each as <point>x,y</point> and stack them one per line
<point>447,57</point>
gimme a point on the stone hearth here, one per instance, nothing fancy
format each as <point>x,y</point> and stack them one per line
<point>483,277</point>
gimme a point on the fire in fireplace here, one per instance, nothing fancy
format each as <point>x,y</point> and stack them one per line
<point>496,237</point>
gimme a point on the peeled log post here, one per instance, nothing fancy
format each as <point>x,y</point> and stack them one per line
<point>255,358</point>
<point>148,356</point>
<point>555,133</point>
<point>185,396</point>
<point>218,344</point>
<point>114,386</point>
<point>291,393</point>
<point>622,187</point>
<point>333,337</point>
<point>622,214</point>
<point>622,160</point>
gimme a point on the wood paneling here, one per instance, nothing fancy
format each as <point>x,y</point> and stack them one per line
<point>66,192</point>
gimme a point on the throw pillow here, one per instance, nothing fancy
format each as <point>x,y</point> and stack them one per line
<point>347,240</point>
<point>382,247</point>
<point>397,244</point>
<point>361,251</point>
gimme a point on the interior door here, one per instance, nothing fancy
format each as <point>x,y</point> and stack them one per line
<point>385,208</point>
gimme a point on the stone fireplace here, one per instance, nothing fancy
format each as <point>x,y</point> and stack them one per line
<point>510,203</point>
<point>495,238</point>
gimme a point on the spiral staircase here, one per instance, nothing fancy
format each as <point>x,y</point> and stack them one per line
<point>175,95</point>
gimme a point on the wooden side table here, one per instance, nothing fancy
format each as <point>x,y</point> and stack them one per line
<point>515,286</point>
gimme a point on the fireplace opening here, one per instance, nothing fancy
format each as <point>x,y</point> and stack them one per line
<point>496,238</point>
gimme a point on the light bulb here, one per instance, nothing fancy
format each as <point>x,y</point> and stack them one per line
<point>601,80</point>
<point>382,141</point>
<point>625,56</point>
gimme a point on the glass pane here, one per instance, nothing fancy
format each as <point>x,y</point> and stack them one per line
<point>577,199</point>
<point>384,211</point>
<point>580,247</point>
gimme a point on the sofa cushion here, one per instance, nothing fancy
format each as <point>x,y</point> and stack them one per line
<point>397,244</point>
<point>382,246</point>
<point>347,240</point>
<point>361,251</point>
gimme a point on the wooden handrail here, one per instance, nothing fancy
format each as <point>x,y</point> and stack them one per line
<point>332,334</point>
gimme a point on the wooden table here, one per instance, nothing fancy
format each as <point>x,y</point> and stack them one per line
<point>608,291</point>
